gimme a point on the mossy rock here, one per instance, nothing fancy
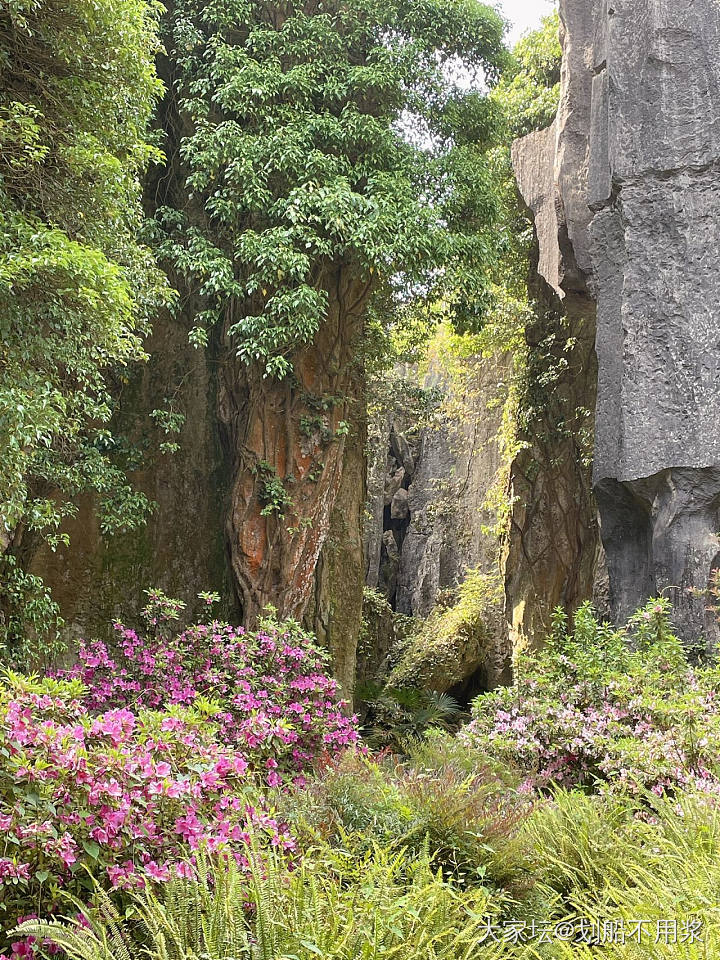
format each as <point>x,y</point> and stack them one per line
<point>456,640</point>
<point>383,635</point>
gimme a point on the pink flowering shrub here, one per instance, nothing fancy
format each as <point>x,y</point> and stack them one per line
<point>605,709</point>
<point>117,770</point>
<point>121,796</point>
<point>270,690</point>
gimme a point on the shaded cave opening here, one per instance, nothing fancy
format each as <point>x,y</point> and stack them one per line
<point>472,686</point>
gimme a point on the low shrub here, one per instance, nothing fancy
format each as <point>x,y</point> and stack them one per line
<point>463,848</point>
<point>605,709</point>
<point>271,690</point>
<point>612,884</point>
<point>92,790</point>
<point>118,796</point>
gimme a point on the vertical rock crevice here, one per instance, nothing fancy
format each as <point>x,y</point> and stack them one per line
<point>427,520</point>
<point>433,552</point>
<point>553,544</point>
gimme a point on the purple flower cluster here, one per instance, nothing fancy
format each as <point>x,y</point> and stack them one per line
<point>270,690</point>
<point>139,756</point>
<point>607,711</point>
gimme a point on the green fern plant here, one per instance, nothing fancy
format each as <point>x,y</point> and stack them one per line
<point>618,861</point>
<point>335,906</point>
<point>102,935</point>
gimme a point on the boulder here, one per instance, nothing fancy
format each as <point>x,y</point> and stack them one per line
<point>400,508</point>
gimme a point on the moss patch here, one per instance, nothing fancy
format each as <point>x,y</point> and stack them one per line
<point>455,640</point>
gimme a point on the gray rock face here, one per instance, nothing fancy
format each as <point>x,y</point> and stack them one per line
<point>552,548</point>
<point>656,237</point>
<point>429,478</point>
<point>455,467</point>
<point>634,204</point>
<point>401,450</point>
<point>399,506</point>
<point>393,484</point>
<point>429,555</point>
<point>660,534</point>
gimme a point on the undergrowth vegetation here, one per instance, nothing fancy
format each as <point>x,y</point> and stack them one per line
<point>202,792</point>
<point>576,814</point>
<point>607,710</point>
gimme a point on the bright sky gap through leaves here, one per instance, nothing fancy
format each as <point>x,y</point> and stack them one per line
<point>524,15</point>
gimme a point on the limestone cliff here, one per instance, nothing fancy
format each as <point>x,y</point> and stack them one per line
<point>430,546</point>
<point>626,196</point>
<point>457,465</point>
<point>624,346</point>
<point>553,541</point>
<point>428,521</point>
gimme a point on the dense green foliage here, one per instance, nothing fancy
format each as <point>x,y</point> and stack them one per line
<point>331,149</point>
<point>334,908</point>
<point>192,788</point>
<point>530,89</point>
<point>600,877</point>
<point>77,86</point>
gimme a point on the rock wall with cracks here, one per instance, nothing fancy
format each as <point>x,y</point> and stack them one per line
<point>626,198</point>
<point>426,515</point>
<point>430,531</point>
<point>553,555</point>
<point>631,210</point>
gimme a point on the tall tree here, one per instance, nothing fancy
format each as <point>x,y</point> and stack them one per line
<point>334,164</point>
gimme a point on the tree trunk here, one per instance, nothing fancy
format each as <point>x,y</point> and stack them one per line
<point>335,613</point>
<point>287,439</point>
